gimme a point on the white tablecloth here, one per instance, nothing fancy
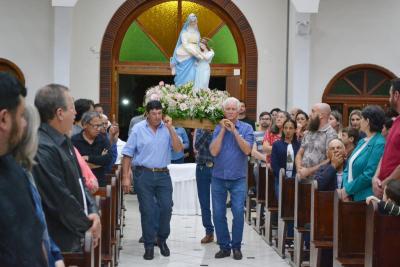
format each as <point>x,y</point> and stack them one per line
<point>185,198</point>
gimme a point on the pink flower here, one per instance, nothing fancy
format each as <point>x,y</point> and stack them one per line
<point>161,83</point>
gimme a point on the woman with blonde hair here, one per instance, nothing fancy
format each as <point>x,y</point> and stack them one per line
<point>24,154</point>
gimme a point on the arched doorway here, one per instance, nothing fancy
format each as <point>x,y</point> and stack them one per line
<point>8,66</point>
<point>241,77</point>
<point>357,86</point>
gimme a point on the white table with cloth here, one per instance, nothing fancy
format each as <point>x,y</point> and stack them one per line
<point>185,198</point>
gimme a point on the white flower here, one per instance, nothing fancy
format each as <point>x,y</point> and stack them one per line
<point>183,106</point>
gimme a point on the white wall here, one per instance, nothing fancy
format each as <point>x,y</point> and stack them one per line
<point>26,30</point>
<point>268,22</point>
<point>90,20</point>
<point>346,32</point>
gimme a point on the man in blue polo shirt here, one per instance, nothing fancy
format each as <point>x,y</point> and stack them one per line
<point>232,143</point>
<point>149,150</point>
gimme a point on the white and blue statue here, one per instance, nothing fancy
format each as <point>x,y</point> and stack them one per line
<point>191,62</point>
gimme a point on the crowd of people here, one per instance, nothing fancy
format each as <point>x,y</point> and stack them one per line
<point>53,157</point>
<point>57,153</point>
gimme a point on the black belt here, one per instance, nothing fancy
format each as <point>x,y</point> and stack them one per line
<point>165,169</point>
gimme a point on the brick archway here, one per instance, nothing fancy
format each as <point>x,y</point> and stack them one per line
<point>130,9</point>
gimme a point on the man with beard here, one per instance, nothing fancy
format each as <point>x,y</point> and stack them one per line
<point>20,229</point>
<point>389,167</point>
<point>312,153</point>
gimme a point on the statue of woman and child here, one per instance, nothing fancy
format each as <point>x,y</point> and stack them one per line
<point>192,57</point>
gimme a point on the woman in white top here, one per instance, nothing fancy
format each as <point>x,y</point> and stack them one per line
<point>203,66</point>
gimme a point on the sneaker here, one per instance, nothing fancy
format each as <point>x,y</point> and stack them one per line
<point>222,254</point>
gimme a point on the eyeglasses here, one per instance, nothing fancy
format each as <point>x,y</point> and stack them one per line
<point>96,126</point>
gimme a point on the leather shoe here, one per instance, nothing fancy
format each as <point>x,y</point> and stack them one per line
<point>164,250</point>
<point>207,239</point>
<point>148,254</point>
<point>237,254</point>
<point>222,254</point>
<point>141,240</point>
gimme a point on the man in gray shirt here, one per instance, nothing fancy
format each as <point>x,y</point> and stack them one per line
<point>312,153</point>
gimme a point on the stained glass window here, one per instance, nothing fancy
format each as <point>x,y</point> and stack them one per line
<point>152,36</point>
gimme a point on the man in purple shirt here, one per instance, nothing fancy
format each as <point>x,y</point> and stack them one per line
<point>232,143</point>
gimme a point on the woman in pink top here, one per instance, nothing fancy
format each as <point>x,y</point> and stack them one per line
<point>274,134</point>
<point>90,179</point>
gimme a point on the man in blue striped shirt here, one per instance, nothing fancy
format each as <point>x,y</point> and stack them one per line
<point>231,145</point>
<point>149,149</point>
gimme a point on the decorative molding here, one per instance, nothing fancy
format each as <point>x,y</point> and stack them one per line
<point>9,66</point>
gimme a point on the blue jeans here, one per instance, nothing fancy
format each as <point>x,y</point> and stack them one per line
<point>154,191</point>
<point>237,190</point>
<point>203,180</point>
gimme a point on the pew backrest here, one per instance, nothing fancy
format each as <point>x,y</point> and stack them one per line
<point>271,199</point>
<point>302,207</point>
<point>321,214</point>
<point>262,172</point>
<point>382,235</point>
<point>348,228</point>
<point>84,258</point>
<point>286,196</point>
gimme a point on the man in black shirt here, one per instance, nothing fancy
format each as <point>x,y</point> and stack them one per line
<point>242,116</point>
<point>93,146</point>
<point>70,209</point>
<point>20,229</point>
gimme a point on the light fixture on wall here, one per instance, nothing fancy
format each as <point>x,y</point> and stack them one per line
<point>303,27</point>
<point>95,50</point>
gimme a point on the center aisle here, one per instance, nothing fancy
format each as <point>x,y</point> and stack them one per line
<point>184,243</point>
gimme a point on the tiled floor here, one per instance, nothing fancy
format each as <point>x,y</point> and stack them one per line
<point>184,243</point>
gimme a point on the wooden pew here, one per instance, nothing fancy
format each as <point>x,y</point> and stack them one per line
<point>115,237</point>
<point>271,206</point>
<point>348,232</point>
<point>250,183</point>
<point>115,180</point>
<point>382,235</point>
<point>260,198</point>
<point>286,210</point>
<point>106,230</point>
<point>81,259</point>
<point>302,218</point>
<point>321,243</point>
<point>97,250</point>
<point>120,204</point>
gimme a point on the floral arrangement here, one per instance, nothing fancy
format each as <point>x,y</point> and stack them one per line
<point>184,103</point>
